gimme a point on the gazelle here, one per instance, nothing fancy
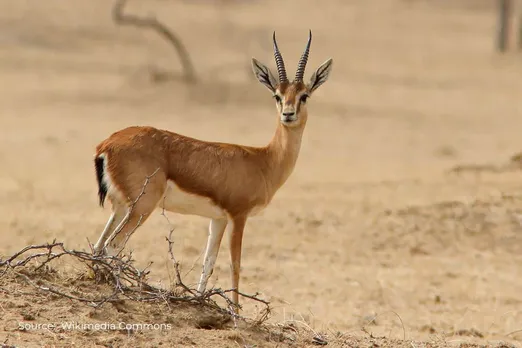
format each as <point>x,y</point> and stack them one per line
<point>224,182</point>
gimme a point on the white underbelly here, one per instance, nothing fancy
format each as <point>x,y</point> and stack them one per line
<point>179,201</point>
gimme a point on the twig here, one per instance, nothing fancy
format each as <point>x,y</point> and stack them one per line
<point>513,332</point>
<point>375,318</point>
<point>152,23</point>
<point>179,282</point>
<point>51,290</point>
<point>26,249</point>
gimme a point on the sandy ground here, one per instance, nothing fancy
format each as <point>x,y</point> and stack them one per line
<point>372,222</point>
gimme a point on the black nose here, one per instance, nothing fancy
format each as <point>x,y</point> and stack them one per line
<point>288,114</point>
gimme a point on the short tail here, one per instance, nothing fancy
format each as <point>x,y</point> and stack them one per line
<point>102,187</point>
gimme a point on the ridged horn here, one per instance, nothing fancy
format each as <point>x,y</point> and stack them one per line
<point>279,62</point>
<point>299,75</point>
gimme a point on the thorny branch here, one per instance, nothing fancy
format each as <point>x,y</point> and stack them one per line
<point>152,23</point>
<point>127,281</point>
<point>216,291</point>
<point>117,271</point>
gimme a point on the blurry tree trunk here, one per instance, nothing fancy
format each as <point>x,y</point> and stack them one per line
<point>505,9</point>
<point>152,23</point>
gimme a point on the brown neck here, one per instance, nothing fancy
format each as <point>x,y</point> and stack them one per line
<point>282,153</point>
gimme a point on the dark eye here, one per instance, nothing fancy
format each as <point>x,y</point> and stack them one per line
<point>304,97</point>
<point>277,98</point>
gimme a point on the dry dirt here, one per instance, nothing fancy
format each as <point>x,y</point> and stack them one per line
<point>374,223</point>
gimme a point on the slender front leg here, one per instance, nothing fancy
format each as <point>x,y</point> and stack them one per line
<point>216,230</point>
<point>236,239</point>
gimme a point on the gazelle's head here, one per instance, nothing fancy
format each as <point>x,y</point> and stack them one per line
<point>291,96</point>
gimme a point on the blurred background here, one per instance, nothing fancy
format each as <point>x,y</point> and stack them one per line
<point>406,194</point>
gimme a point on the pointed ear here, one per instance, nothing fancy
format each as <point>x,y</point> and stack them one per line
<point>320,75</point>
<point>264,75</point>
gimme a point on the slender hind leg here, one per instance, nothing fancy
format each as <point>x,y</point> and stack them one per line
<point>118,213</point>
<point>135,216</point>
<point>143,200</point>
<point>130,223</point>
<point>215,234</point>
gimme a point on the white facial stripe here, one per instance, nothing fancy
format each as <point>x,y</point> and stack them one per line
<point>289,113</point>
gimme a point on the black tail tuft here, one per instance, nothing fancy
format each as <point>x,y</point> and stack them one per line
<point>102,187</point>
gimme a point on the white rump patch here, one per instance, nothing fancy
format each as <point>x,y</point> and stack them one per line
<point>179,201</point>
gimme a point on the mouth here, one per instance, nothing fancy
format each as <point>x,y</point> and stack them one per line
<point>288,120</point>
